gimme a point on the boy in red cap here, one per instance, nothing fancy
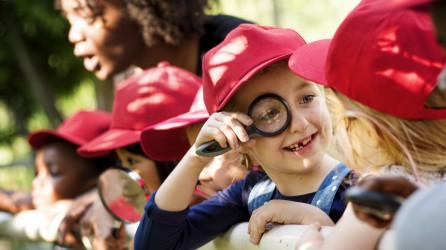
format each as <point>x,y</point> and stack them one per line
<point>389,114</point>
<point>250,63</point>
<point>142,100</point>
<point>181,131</point>
<point>61,174</point>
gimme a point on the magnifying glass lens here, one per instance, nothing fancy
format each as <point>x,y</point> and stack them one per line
<point>269,115</point>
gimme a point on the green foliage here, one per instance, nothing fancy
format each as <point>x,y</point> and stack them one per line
<point>18,177</point>
<point>43,33</point>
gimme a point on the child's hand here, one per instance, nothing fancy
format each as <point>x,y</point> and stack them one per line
<point>225,127</point>
<point>311,238</point>
<point>393,185</point>
<point>98,222</point>
<point>284,212</point>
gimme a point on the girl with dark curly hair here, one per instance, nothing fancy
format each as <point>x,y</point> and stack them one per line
<point>112,35</point>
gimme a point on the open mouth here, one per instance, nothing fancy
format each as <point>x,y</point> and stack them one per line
<point>91,63</point>
<point>301,144</point>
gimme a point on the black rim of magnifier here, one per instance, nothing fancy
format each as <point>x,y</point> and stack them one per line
<point>104,203</point>
<point>270,96</point>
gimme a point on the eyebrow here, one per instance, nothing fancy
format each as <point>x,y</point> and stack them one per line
<point>303,84</point>
<point>79,6</point>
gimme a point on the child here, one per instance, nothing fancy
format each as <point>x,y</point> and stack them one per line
<point>182,130</point>
<point>142,100</point>
<point>389,115</point>
<point>113,36</point>
<point>61,174</point>
<point>249,63</point>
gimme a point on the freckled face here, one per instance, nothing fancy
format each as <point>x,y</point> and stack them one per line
<point>302,146</point>
<point>60,174</point>
<point>145,167</point>
<point>107,41</point>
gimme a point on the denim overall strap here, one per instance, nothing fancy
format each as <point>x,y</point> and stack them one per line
<point>324,196</point>
<point>261,192</point>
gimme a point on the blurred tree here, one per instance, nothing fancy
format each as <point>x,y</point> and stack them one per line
<point>36,64</point>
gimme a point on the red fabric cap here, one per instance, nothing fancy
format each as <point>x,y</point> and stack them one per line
<point>142,100</point>
<point>388,61</point>
<point>309,61</point>
<point>245,51</point>
<point>79,128</point>
<point>167,141</point>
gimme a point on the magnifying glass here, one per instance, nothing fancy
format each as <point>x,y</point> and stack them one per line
<point>123,194</point>
<point>271,115</point>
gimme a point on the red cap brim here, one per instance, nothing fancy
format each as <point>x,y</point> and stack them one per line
<point>167,140</point>
<point>42,137</point>
<point>309,61</point>
<point>110,140</point>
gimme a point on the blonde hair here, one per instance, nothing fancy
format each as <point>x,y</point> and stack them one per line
<point>393,140</point>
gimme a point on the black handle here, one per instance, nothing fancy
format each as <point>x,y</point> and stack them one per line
<point>211,149</point>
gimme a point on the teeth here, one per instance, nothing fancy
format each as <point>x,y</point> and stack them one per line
<point>305,142</point>
<point>297,146</point>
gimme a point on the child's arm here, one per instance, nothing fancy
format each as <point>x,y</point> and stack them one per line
<point>15,201</point>
<point>349,233</point>
<point>284,212</point>
<point>226,128</point>
<point>168,223</point>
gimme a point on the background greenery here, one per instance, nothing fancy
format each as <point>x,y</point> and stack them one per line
<point>41,82</point>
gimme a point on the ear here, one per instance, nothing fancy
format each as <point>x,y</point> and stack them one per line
<point>247,146</point>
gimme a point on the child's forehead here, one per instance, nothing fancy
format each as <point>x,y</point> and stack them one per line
<point>283,83</point>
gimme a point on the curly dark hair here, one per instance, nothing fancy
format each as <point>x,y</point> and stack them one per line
<point>167,21</point>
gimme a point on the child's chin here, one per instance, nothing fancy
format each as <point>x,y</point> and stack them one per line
<point>41,206</point>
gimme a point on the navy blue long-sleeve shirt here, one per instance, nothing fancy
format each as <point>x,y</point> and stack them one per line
<point>197,225</point>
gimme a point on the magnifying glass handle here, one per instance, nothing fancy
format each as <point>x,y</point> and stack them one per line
<point>211,149</point>
<point>115,230</point>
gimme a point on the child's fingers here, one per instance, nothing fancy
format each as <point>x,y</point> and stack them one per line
<point>232,128</point>
<point>231,137</point>
<point>310,238</point>
<point>256,230</point>
<point>257,224</point>
<point>237,121</point>
<point>242,118</point>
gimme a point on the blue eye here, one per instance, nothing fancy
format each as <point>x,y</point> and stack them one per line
<point>271,114</point>
<point>307,99</point>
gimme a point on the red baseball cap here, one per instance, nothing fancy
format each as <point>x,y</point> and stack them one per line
<point>388,61</point>
<point>245,51</point>
<point>78,129</point>
<point>150,97</point>
<point>167,141</point>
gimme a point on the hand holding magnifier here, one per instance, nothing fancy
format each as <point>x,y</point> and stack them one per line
<point>270,114</point>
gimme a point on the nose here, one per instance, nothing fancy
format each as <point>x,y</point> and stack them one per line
<point>37,181</point>
<point>75,34</point>
<point>205,174</point>
<point>298,122</point>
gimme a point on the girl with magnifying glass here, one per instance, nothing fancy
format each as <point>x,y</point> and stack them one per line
<point>290,129</point>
